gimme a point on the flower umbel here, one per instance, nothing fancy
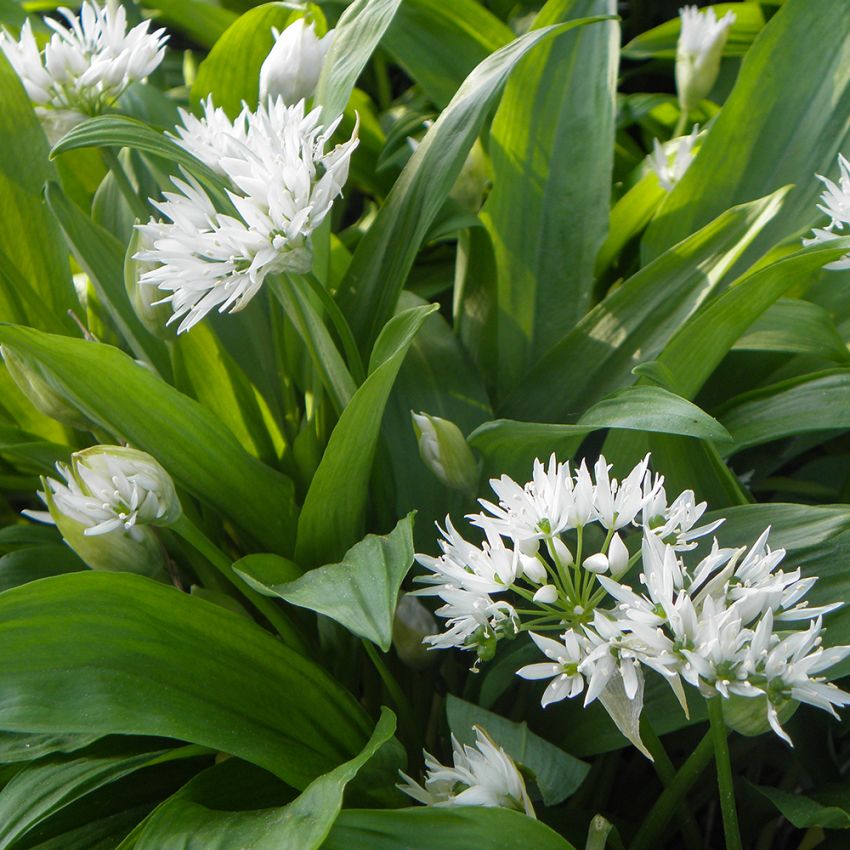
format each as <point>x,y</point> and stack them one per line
<point>835,202</point>
<point>482,775</point>
<point>282,184</point>
<point>292,68</point>
<point>671,170</point>
<point>698,53</point>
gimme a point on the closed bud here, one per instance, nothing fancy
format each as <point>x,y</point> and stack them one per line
<point>532,569</point>
<point>562,553</point>
<point>597,563</point>
<point>36,387</point>
<point>618,557</point>
<point>292,68</point>
<point>445,452</point>
<point>412,623</point>
<point>529,546</point>
<point>546,595</point>
<point>698,53</point>
<point>143,296</point>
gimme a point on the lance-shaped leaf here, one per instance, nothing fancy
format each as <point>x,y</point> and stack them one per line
<point>360,592</point>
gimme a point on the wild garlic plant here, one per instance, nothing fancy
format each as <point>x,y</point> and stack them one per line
<point>554,563</point>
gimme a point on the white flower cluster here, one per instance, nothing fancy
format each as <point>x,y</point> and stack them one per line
<point>698,52</point>
<point>482,775</point>
<point>835,202</point>
<point>282,184</point>
<point>87,64</point>
<point>711,625</point>
<point>671,169</point>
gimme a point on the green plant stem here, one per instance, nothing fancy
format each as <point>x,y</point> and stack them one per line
<point>681,124</point>
<point>724,774</point>
<point>671,798</point>
<point>667,774</point>
<point>196,538</point>
<point>122,181</point>
<point>405,709</point>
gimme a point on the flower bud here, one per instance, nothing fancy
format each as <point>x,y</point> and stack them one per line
<point>44,398</point>
<point>597,563</point>
<point>530,546</point>
<point>618,557</point>
<point>292,68</point>
<point>698,53</point>
<point>562,553</point>
<point>546,595</point>
<point>143,296</point>
<point>445,452</point>
<point>532,569</point>
<point>412,623</point>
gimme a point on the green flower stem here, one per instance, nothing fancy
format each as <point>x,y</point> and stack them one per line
<point>671,798</point>
<point>137,205</point>
<point>405,710</point>
<point>681,124</point>
<point>725,785</point>
<point>667,774</point>
<point>196,538</point>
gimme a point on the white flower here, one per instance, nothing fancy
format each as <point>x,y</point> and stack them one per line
<point>671,170</point>
<point>294,64</point>
<point>835,202</point>
<point>283,184</point>
<point>87,63</point>
<point>698,53</point>
<point>482,775</point>
<point>111,488</point>
<point>563,667</point>
<point>617,504</point>
<point>675,524</point>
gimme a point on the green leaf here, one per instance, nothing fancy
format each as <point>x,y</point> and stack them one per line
<point>805,812</point>
<point>181,823</point>
<point>30,237</point>
<point>660,41</point>
<point>50,785</point>
<point>530,211</point>
<point>335,506</point>
<point>117,653</point>
<point>556,773</point>
<point>814,402</point>
<point>439,44</point>
<point>101,256</point>
<point>200,453</point>
<point>634,322</point>
<point>360,29</point>
<point>429,828</point>
<point>733,167</point>
<point>376,276</point>
<point>231,70</point>
<point>702,342</point>
<point>202,21</point>
<point>35,562</point>
<point>360,592</point>
<point>26,746</point>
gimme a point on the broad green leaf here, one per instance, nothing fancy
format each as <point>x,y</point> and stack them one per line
<point>814,402</point>
<point>735,166</point>
<point>429,828</point>
<point>101,255</point>
<point>531,210</point>
<point>200,453</point>
<point>360,29</point>
<point>120,654</point>
<point>795,326</point>
<point>231,70</point>
<point>34,562</point>
<point>660,41</point>
<point>184,824</point>
<point>634,322</point>
<point>332,516</point>
<point>49,785</point>
<point>205,22</point>
<point>30,237</point>
<point>805,812</point>
<point>700,343</point>
<point>556,773</point>
<point>439,44</point>
<point>28,746</point>
<point>370,290</point>
<point>360,592</point>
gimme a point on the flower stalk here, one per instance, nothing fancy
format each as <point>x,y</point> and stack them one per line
<point>725,784</point>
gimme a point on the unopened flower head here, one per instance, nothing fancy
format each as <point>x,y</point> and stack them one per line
<point>671,169</point>
<point>111,488</point>
<point>835,202</point>
<point>445,452</point>
<point>481,775</point>
<point>291,70</point>
<point>698,53</point>
<point>88,62</point>
<point>282,183</point>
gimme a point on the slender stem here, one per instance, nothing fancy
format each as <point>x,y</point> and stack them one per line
<point>681,124</point>
<point>665,807</point>
<point>724,774</point>
<point>122,181</point>
<point>349,345</point>
<point>195,537</point>
<point>405,709</point>
<point>667,774</point>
